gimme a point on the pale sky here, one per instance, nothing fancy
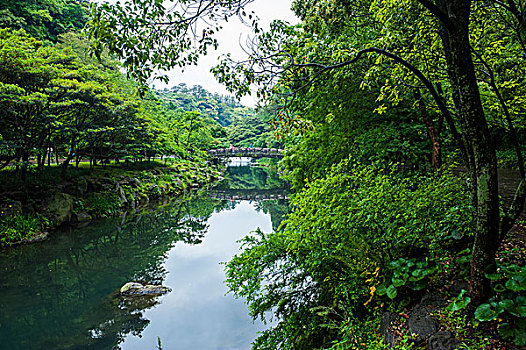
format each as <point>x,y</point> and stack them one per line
<point>229,38</point>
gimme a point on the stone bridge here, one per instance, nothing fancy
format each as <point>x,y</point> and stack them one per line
<point>246,152</point>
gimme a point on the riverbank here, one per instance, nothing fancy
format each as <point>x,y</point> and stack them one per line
<point>43,202</point>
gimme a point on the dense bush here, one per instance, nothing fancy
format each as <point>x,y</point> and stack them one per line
<point>18,227</point>
<point>102,204</point>
<point>324,264</point>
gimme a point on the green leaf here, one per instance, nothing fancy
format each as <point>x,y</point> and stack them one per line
<point>397,282</point>
<point>419,285</point>
<point>515,286</point>
<point>485,313</point>
<point>395,264</point>
<point>381,290</point>
<point>493,276</point>
<point>499,288</point>
<point>391,292</point>
<point>459,302</point>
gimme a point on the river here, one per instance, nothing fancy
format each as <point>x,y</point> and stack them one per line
<point>62,293</point>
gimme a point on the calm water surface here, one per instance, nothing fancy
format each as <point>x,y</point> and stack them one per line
<point>62,293</point>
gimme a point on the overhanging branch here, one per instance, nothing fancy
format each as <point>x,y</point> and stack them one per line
<point>430,87</point>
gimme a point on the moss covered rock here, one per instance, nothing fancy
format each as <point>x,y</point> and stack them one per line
<point>59,209</point>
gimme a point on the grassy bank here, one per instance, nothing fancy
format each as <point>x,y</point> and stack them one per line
<point>44,200</point>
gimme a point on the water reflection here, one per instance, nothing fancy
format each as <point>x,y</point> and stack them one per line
<point>251,177</point>
<point>198,314</point>
<point>62,294</point>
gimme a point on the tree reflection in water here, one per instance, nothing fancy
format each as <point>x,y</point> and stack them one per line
<point>63,293</point>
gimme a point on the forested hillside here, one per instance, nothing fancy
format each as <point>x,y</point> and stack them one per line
<point>44,20</point>
<point>236,125</point>
<point>62,108</point>
<point>223,109</point>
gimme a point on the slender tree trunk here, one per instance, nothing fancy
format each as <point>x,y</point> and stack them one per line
<point>39,162</point>
<point>23,168</point>
<point>56,155</point>
<point>482,165</point>
<point>65,165</point>
<point>432,132</point>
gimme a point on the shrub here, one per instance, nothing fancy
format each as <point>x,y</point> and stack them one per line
<point>19,227</point>
<point>508,302</point>
<point>334,248</point>
<point>102,204</point>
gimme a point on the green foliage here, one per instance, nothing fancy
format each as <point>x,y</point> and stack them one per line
<point>102,204</point>
<point>343,230</point>
<point>222,120</point>
<point>460,302</point>
<point>17,227</point>
<point>44,20</point>
<point>54,98</point>
<point>408,273</point>
<point>509,302</point>
<point>162,37</point>
<point>223,109</point>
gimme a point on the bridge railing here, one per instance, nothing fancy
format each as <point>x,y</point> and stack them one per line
<point>246,151</point>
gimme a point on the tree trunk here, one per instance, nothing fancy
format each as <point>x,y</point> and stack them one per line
<point>482,165</point>
<point>432,132</point>
<point>39,162</point>
<point>65,165</point>
<point>23,168</point>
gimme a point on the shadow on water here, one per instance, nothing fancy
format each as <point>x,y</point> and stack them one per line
<point>63,293</point>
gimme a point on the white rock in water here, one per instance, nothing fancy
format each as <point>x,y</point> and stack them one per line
<point>134,288</point>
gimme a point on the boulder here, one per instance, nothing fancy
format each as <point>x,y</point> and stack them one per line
<point>99,184</point>
<point>389,320</point>
<point>82,217</point>
<point>442,341</point>
<point>420,323</point>
<point>37,237</point>
<point>135,182</point>
<point>121,194</point>
<point>59,208</point>
<point>137,289</point>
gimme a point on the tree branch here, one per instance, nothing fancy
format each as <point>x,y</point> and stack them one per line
<point>513,132</point>
<point>437,98</point>
<point>435,10</point>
